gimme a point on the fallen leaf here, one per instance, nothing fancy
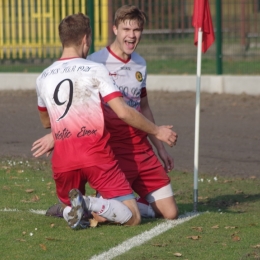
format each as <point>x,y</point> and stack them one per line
<point>256,246</point>
<point>52,225</point>
<point>227,181</point>
<point>21,240</point>
<point>29,190</point>
<point>228,227</point>
<point>197,228</point>
<point>24,233</point>
<point>177,254</point>
<point>215,227</point>
<point>235,237</point>
<point>35,198</point>
<point>93,222</point>
<point>194,237</point>
<point>20,171</point>
<point>43,247</point>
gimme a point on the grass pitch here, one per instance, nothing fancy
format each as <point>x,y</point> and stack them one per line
<point>229,227</point>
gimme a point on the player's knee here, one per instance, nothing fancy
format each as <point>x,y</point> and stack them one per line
<point>134,220</point>
<point>171,215</point>
<point>136,217</point>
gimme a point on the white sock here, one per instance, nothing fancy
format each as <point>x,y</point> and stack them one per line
<point>145,208</point>
<point>66,213</point>
<point>112,210</point>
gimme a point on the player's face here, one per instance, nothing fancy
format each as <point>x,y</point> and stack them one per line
<point>128,35</point>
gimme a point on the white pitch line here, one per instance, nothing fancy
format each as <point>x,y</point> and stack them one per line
<point>35,211</point>
<point>142,238</point>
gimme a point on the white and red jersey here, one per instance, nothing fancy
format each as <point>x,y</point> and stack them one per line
<point>130,77</point>
<point>70,91</point>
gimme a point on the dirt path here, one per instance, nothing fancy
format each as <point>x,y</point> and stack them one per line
<point>229,129</point>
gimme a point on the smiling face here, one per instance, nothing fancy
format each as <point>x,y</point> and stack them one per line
<point>128,34</point>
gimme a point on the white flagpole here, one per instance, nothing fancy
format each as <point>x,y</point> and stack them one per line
<point>197,122</point>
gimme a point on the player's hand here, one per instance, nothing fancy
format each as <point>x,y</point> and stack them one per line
<point>43,145</point>
<point>167,159</point>
<point>166,135</point>
<point>98,218</point>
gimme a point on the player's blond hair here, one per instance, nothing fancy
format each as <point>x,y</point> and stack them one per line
<point>129,12</point>
<point>73,28</point>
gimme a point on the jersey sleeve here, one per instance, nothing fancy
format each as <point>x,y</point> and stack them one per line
<point>107,87</point>
<point>41,105</point>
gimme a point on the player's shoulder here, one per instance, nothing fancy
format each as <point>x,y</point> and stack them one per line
<point>98,55</point>
<point>46,70</point>
<point>137,58</point>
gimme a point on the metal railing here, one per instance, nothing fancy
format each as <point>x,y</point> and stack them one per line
<point>29,28</point>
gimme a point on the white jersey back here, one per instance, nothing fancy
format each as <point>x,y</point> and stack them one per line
<point>70,91</point>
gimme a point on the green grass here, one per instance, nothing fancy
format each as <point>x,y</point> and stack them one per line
<point>228,229</point>
<point>169,66</point>
<point>208,66</point>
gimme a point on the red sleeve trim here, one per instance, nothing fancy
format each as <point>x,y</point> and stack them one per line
<point>43,109</point>
<point>143,92</point>
<point>112,95</point>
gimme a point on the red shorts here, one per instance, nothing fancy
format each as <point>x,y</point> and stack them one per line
<point>143,170</point>
<point>107,179</point>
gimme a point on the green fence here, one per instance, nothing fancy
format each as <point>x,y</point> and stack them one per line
<point>29,39</point>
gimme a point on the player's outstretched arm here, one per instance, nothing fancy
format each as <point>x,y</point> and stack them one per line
<point>163,154</point>
<point>137,120</point>
<point>44,145</point>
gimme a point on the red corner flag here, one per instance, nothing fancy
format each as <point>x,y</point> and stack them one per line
<point>202,19</point>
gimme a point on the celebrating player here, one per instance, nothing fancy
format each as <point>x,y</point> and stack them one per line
<point>69,102</point>
<point>131,147</point>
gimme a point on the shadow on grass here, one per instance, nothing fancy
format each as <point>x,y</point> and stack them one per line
<point>233,203</point>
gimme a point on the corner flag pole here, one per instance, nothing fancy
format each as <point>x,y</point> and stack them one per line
<point>203,38</point>
<point>197,122</point>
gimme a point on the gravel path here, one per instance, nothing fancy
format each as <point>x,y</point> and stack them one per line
<point>229,129</point>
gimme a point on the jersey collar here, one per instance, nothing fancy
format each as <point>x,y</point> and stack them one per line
<point>112,53</point>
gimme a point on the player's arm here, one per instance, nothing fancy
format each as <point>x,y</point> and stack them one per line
<point>45,144</point>
<point>164,155</point>
<point>45,119</point>
<point>137,120</point>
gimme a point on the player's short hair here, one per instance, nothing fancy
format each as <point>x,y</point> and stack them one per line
<point>73,28</point>
<point>130,12</point>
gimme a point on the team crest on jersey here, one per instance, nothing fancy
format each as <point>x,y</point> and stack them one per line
<point>139,76</point>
